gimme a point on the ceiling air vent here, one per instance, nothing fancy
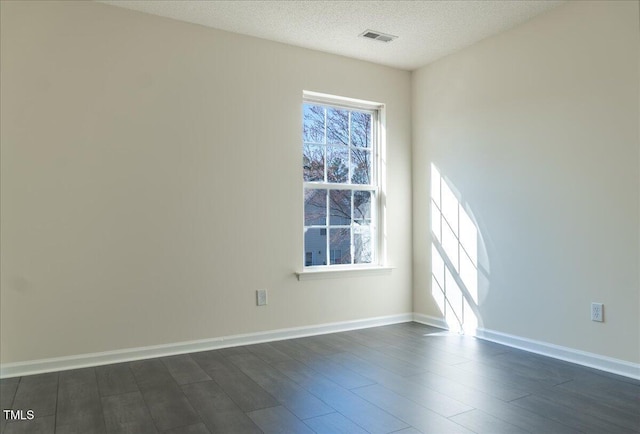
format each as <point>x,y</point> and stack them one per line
<point>377,36</point>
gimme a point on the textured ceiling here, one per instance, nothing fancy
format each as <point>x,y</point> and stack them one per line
<point>427,30</point>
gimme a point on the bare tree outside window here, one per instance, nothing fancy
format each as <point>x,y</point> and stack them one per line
<point>337,150</point>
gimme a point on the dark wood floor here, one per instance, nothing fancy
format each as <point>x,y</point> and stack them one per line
<point>404,378</point>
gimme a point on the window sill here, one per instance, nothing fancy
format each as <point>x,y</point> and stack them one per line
<point>335,272</point>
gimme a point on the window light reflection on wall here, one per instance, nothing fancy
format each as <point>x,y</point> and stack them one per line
<point>454,257</point>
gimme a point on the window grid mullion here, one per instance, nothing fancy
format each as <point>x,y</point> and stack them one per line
<point>351,231</point>
<point>328,222</point>
<point>349,153</point>
<point>373,227</point>
<point>324,148</point>
<point>337,186</point>
<point>350,177</point>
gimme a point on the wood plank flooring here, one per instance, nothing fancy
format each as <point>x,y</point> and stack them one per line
<point>403,378</point>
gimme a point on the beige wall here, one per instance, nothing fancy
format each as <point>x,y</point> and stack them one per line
<point>150,179</point>
<point>537,130</point>
<point>151,182</point>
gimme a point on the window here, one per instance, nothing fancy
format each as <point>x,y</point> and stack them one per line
<point>341,182</point>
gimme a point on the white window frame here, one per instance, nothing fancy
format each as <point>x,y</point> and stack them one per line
<point>376,186</point>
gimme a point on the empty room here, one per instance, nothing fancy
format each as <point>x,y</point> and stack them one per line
<point>319,216</point>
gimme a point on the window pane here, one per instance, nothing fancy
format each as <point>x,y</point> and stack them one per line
<point>316,244</point>
<point>337,164</point>
<point>360,166</point>
<point>340,246</point>
<point>340,207</point>
<point>361,129</point>
<point>315,207</point>
<point>362,245</point>
<point>313,162</point>
<point>337,126</point>
<point>362,207</point>
<point>313,124</point>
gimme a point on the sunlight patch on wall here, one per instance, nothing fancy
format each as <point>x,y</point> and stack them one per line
<point>454,257</point>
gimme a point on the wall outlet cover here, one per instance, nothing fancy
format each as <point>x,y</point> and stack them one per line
<point>597,312</point>
<point>261,297</point>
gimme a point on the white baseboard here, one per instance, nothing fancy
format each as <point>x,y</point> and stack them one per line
<point>608,364</point>
<point>430,321</point>
<point>31,367</point>
<point>591,360</point>
<point>596,361</point>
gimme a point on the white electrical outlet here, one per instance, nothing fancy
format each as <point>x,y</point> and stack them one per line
<point>261,297</point>
<point>597,312</point>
